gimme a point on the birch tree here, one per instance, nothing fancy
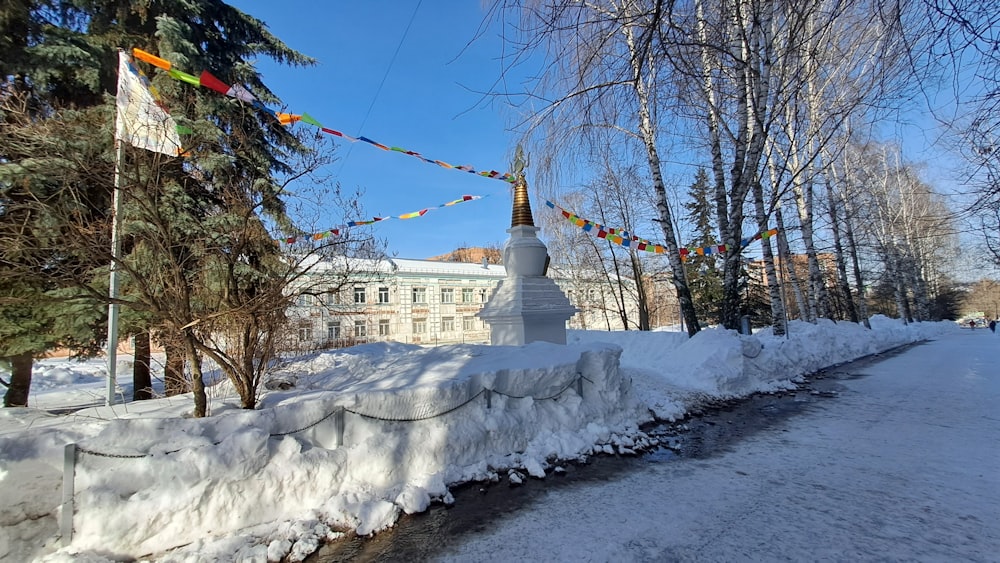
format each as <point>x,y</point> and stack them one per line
<point>605,74</point>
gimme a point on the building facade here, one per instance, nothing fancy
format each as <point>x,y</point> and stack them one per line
<point>402,300</point>
<point>430,302</point>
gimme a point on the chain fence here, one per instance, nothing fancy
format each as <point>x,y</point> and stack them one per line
<point>394,402</point>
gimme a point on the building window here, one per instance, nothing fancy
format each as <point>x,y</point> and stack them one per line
<point>360,329</point>
<point>419,326</point>
<point>333,330</point>
<point>482,296</point>
<point>359,295</point>
<point>333,297</point>
<point>468,323</point>
<point>466,295</point>
<point>383,327</point>
<point>420,295</point>
<point>383,295</point>
<point>447,295</point>
<point>305,333</point>
<point>591,295</point>
<point>305,301</point>
<point>447,324</point>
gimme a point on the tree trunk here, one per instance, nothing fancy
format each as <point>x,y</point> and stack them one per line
<point>20,381</point>
<point>142,382</point>
<point>859,280</point>
<point>817,293</point>
<point>618,292</point>
<point>175,382</point>
<point>778,323</point>
<point>648,131</point>
<point>899,290</point>
<point>197,380</point>
<point>845,286</point>
<point>785,257</point>
<point>642,298</point>
<point>920,290</point>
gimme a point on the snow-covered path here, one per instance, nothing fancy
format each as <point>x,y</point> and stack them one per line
<point>904,465</point>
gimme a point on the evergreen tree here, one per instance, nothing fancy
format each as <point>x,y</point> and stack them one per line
<point>59,78</point>
<point>704,276</point>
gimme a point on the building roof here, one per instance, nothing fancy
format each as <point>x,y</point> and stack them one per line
<point>406,266</point>
<point>411,266</point>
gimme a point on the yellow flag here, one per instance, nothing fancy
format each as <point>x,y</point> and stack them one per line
<point>141,121</point>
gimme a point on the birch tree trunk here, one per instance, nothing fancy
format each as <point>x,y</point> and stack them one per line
<point>859,280</point>
<point>788,265</point>
<point>835,228</point>
<point>647,131</point>
<point>750,50</point>
<point>779,323</point>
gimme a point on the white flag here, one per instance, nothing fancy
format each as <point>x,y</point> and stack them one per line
<point>141,121</point>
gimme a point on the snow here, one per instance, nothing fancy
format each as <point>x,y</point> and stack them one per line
<point>353,438</point>
<point>900,466</point>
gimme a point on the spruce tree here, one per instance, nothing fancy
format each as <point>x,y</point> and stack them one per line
<point>704,276</point>
<point>203,215</point>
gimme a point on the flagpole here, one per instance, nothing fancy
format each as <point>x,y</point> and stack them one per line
<point>141,122</point>
<point>116,247</point>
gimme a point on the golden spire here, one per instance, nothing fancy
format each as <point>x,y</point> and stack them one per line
<point>522,206</point>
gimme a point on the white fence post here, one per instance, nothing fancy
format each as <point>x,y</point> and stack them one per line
<point>69,476</point>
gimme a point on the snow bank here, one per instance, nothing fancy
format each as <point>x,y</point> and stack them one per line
<point>459,417</point>
<point>809,348</point>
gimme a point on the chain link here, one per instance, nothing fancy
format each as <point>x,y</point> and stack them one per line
<point>331,413</point>
<point>428,417</point>
<point>117,456</point>
<point>563,390</point>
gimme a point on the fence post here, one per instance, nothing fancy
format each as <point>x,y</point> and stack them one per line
<point>338,422</point>
<point>489,398</point>
<point>579,385</point>
<point>69,477</point>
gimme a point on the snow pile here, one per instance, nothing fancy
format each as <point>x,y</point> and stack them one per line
<point>346,441</point>
<point>811,347</point>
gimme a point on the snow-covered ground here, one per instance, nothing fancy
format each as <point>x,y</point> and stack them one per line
<point>352,438</point>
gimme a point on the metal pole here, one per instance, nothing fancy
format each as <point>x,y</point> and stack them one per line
<point>116,248</point>
<point>338,421</point>
<point>69,475</point>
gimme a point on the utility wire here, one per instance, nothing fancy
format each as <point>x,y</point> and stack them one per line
<point>378,91</point>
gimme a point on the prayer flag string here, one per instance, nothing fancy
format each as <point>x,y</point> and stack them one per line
<point>336,231</point>
<point>206,80</point>
<point>623,238</point>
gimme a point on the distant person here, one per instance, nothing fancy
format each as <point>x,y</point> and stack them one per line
<point>972,325</point>
<point>993,326</point>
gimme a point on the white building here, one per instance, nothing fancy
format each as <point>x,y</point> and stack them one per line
<point>413,301</point>
<point>433,302</point>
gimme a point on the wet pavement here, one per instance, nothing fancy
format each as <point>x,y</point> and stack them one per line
<point>707,432</point>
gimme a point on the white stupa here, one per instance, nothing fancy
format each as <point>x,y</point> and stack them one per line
<point>526,306</point>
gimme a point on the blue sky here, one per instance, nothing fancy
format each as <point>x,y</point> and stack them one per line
<point>428,104</point>
<point>431,102</point>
